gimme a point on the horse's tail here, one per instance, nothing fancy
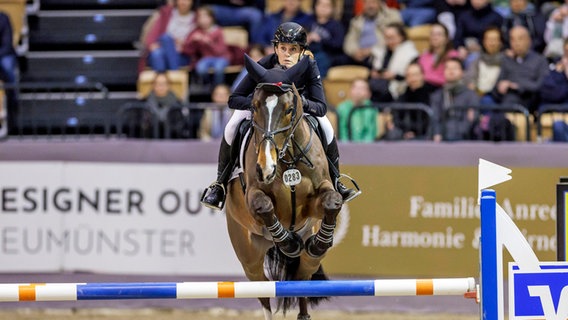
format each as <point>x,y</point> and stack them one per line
<point>281,268</point>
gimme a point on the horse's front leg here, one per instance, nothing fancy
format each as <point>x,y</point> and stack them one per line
<point>263,209</point>
<point>318,244</point>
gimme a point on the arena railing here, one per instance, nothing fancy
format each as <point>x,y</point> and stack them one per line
<point>511,112</point>
<point>547,114</point>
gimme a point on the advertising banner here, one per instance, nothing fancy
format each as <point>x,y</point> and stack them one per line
<point>110,217</point>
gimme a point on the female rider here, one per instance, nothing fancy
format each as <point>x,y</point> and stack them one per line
<point>290,43</point>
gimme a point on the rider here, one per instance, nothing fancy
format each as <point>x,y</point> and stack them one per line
<point>290,43</point>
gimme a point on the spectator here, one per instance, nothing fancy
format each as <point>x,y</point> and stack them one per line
<point>555,32</point>
<point>215,119</point>
<point>434,60</point>
<point>166,37</point>
<point>161,98</point>
<point>417,12</point>
<point>413,124</point>
<point>528,17</point>
<point>452,125</point>
<point>290,12</point>
<point>554,90</point>
<point>357,116</point>
<point>471,27</point>
<point>207,49</point>
<point>8,67</point>
<point>255,52</point>
<point>481,75</point>
<point>365,34</point>
<point>238,13</point>
<point>325,35</point>
<point>522,72</point>
<point>449,13</point>
<point>389,64</point>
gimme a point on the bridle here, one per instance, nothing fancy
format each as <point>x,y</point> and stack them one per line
<point>289,129</point>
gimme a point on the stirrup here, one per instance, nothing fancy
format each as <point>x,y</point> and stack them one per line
<point>358,190</point>
<point>218,206</point>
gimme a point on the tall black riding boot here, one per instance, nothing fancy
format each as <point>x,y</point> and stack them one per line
<point>333,160</point>
<point>214,196</point>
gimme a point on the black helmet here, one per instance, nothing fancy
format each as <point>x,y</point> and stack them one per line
<point>291,32</point>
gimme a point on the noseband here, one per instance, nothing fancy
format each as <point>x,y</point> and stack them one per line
<point>268,134</point>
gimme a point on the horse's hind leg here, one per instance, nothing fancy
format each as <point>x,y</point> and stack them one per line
<point>318,244</point>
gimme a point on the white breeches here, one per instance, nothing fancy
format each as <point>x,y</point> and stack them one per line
<point>239,115</point>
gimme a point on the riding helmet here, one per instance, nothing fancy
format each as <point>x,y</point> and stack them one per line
<point>291,32</point>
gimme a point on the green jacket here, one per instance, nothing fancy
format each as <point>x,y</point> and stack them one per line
<point>363,122</point>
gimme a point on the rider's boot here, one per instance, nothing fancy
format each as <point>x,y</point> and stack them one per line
<point>347,194</point>
<point>214,196</point>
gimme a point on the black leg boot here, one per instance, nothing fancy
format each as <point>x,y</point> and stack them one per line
<point>214,196</point>
<point>333,161</point>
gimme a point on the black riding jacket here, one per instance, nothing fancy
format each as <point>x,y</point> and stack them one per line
<point>310,86</point>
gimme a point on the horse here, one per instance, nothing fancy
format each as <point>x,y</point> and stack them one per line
<point>283,210</point>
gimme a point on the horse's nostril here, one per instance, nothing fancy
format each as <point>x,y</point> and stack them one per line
<point>259,171</point>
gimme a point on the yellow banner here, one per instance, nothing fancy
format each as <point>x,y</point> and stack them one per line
<point>424,221</point>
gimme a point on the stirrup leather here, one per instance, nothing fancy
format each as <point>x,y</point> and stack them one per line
<point>207,191</point>
<point>353,182</point>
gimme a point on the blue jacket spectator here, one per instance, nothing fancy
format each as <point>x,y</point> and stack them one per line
<point>8,59</point>
<point>325,35</point>
<point>474,21</point>
<point>292,12</point>
<point>417,12</point>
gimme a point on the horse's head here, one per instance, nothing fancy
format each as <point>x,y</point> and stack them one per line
<point>277,109</point>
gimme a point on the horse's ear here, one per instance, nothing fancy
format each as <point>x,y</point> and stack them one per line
<point>296,72</point>
<point>255,70</point>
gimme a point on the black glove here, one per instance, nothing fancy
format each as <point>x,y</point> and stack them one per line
<point>305,104</point>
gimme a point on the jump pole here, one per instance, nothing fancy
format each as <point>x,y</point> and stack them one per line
<point>12,292</point>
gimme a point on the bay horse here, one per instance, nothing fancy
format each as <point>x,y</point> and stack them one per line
<point>288,207</point>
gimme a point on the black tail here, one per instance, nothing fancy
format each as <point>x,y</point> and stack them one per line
<point>283,268</point>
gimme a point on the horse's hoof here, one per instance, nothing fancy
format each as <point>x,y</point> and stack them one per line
<point>316,248</point>
<point>304,317</point>
<point>332,201</point>
<point>292,246</point>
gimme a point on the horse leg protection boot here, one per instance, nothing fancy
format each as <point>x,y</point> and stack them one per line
<point>214,196</point>
<point>333,161</point>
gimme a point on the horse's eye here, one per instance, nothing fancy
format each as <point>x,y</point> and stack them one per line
<point>290,110</point>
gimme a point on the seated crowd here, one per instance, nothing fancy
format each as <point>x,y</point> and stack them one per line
<point>478,54</point>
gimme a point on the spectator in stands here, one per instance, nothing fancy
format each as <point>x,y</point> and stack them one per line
<point>365,35</point>
<point>528,17</point>
<point>8,67</point>
<point>449,13</point>
<point>325,35</point>
<point>389,64</point>
<point>555,32</point>
<point>413,124</point>
<point>554,90</point>
<point>471,27</point>
<point>357,116</point>
<point>452,125</point>
<point>522,72</point>
<point>167,35</point>
<point>238,13</point>
<point>481,75</point>
<point>417,12</point>
<point>433,61</point>
<point>207,49</point>
<point>290,12</point>
<point>215,119</point>
<point>162,98</point>
<point>255,52</point>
